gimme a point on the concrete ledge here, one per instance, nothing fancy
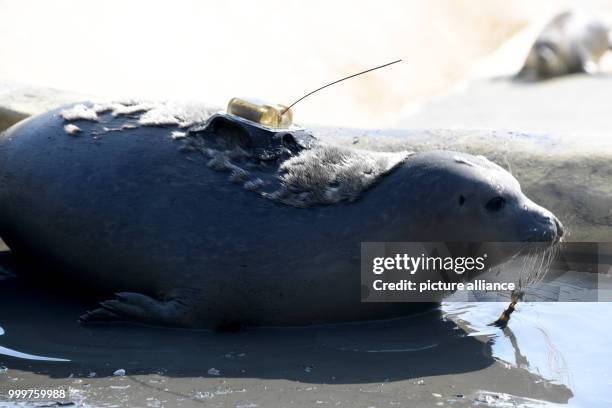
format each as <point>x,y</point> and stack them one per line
<point>9,117</point>
<point>18,101</point>
<point>559,145</point>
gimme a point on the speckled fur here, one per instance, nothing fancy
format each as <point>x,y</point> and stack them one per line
<point>329,174</point>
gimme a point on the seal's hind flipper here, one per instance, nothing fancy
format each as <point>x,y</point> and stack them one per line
<point>136,307</point>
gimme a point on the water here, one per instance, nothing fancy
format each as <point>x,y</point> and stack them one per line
<point>566,343</point>
<point>17,354</point>
<point>551,354</point>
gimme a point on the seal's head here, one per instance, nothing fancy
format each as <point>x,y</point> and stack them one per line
<point>460,197</point>
<point>572,42</point>
<point>549,58</point>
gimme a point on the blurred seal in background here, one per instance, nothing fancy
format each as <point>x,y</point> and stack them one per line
<point>572,42</point>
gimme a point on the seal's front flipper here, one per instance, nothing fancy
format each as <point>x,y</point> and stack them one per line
<point>135,307</point>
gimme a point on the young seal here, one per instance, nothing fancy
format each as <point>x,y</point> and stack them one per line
<point>571,42</point>
<point>210,226</point>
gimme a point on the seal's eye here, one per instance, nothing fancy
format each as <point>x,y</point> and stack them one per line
<point>496,204</point>
<point>461,200</point>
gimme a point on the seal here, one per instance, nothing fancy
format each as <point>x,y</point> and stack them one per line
<point>572,42</point>
<point>199,223</point>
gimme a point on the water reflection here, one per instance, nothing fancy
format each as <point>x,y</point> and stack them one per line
<point>565,343</point>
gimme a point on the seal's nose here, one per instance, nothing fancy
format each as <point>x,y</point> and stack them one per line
<point>555,227</point>
<point>547,228</point>
<point>544,225</point>
<point>560,229</point>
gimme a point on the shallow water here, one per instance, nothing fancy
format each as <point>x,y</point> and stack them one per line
<point>566,343</point>
<point>551,352</point>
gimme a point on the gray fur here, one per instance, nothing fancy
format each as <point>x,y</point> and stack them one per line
<point>330,174</point>
<point>322,175</point>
